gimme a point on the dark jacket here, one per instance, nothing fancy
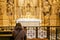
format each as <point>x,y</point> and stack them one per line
<point>19,35</point>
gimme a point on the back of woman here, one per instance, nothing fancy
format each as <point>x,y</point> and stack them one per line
<point>18,33</point>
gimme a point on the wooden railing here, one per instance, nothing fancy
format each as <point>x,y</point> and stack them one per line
<point>53,32</point>
<point>38,39</point>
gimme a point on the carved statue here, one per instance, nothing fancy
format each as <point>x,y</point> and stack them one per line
<point>46,7</point>
<point>10,6</point>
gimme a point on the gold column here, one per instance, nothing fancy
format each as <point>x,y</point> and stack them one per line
<point>8,12</point>
<point>11,10</point>
<point>5,17</point>
<point>1,13</point>
<point>53,17</point>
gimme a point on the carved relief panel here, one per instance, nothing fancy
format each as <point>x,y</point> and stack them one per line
<point>28,7</point>
<point>49,12</point>
<point>10,11</point>
<point>10,7</point>
<point>46,10</point>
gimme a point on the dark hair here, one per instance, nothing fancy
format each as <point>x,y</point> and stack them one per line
<point>18,26</point>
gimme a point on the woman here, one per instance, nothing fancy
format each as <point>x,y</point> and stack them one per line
<point>19,33</point>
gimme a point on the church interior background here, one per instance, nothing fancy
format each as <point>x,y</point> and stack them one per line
<point>48,11</point>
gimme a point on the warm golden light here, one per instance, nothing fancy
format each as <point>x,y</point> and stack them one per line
<point>28,15</point>
<point>29,21</point>
<point>46,10</point>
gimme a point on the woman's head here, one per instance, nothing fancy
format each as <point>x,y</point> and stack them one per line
<point>18,26</point>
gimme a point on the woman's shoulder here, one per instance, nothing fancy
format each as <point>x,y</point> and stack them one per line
<point>14,31</point>
<point>22,31</point>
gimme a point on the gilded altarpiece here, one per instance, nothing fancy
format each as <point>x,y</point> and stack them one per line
<point>46,10</point>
